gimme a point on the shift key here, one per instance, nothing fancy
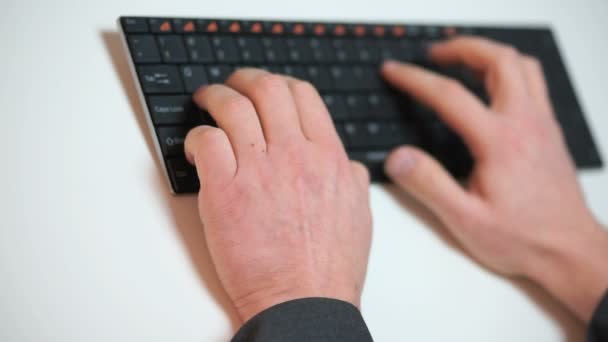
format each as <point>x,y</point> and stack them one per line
<point>173,110</point>
<point>171,139</point>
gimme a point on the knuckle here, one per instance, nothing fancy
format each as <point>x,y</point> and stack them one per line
<point>203,93</point>
<point>236,104</point>
<point>361,171</point>
<point>303,87</point>
<point>508,55</point>
<point>475,219</point>
<point>235,75</point>
<point>211,134</point>
<point>450,87</point>
<point>270,82</point>
<point>239,73</point>
<point>533,63</point>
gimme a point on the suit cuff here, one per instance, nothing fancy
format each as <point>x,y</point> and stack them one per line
<point>307,319</point>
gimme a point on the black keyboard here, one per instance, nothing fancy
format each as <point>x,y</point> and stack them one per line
<point>172,57</point>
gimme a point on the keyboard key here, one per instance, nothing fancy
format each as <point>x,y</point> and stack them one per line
<point>199,49</point>
<point>183,175</point>
<point>194,76</point>
<point>230,26</point>
<point>432,32</point>
<point>342,78</point>
<point>388,49</point>
<point>414,31</point>
<point>171,139</point>
<point>322,50</point>
<point>295,71</point>
<point>405,51</point>
<point>367,51</point>
<point>342,134</point>
<point>366,78</point>
<point>354,135</point>
<point>275,50</point>
<point>383,106</point>
<point>184,26</point>
<point>379,133</point>
<point>251,49</point>
<point>134,25</point>
<point>375,134</point>
<point>370,157</point>
<point>160,79</point>
<point>144,49</point>
<point>398,133</point>
<point>218,73</point>
<point>225,49</point>
<point>206,25</point>
<point>172,49</point>
<point>423,113</point>
<point>336,106</point>
<point>411,52</point>
<point>441,135</point>
<point>344,50</point>
<point>299,50</point>
<point>319,77</point>
<point>373,160</point>
<point>160,25</point>
<point>357,106</point>
<point>174,110</point>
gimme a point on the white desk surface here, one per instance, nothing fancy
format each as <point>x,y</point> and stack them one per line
<point>94,248</point>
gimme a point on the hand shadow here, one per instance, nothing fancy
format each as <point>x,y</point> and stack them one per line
<point>572,329</point>
<point>184,207</point>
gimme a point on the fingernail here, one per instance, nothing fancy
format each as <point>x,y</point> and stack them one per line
<point>400,163</point>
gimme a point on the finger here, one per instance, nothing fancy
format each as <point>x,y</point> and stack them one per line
<point>459,108</point>
<point>236,116</point>
<point>273,101</point>
<point>314,117</point>
<point>500,64</point>
<point>209,149</point>
<point>537,86</point>
<point>427,181</point>
<point>361,173</point>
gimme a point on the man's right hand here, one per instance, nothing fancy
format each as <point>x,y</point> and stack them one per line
<point>522,213</point>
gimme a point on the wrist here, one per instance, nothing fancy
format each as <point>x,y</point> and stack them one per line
<point>266,297</point>
<point>574,270</point>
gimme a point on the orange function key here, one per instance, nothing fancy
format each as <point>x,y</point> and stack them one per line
<point>339,30</point>
<point>360,30</point>
<point>379,31</point>
<point>277,28</point>
<point>298,29</point>
<point>235,27</point>
<point>256,28</point>
<point>212,27</point>
<point>398,31</point>
<point>230,26</point>
<point>158,25</point>
<point>183,26</point>
<point>319,29</point>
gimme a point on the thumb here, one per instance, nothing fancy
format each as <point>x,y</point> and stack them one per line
<point>427,181</point>
<point>208,148</point>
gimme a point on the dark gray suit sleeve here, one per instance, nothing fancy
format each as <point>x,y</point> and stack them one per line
<point>598,328</point>
<point>307,319</point>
